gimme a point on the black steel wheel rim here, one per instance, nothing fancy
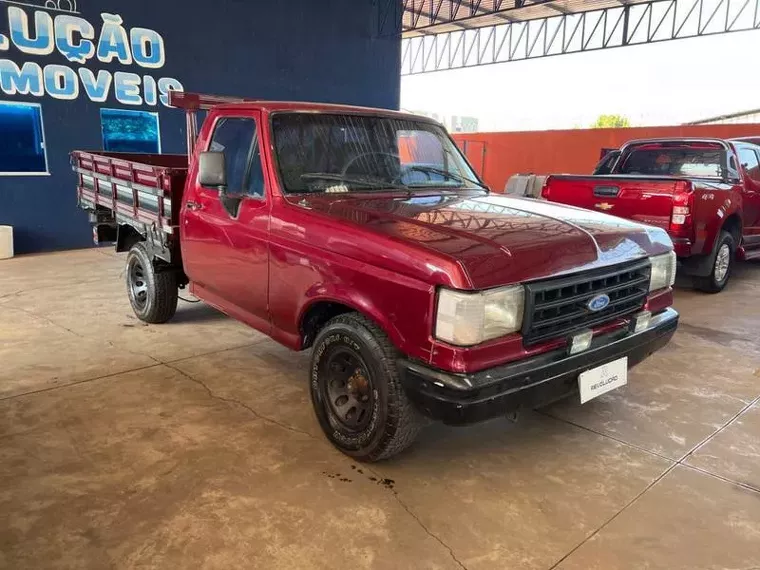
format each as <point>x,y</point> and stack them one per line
<point>348,389</point>
<point>138,283</point>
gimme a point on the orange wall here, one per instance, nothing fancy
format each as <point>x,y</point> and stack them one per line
<point>567,152</point>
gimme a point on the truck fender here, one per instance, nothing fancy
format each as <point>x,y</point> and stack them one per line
<point>126,237</point>
<point>733,225</point>
<point>724,218</point>
<point>341,301</point>
<point>713,207</point>
<point>702,265</point>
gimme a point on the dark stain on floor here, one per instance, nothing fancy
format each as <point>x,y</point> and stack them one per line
<point>387,483</point>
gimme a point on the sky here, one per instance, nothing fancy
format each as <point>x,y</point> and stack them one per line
<point>657,84</point>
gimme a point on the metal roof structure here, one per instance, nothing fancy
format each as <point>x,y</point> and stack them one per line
<point>451,34</point>
<point>750,115</point>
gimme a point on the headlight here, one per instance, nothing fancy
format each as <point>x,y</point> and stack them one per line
<point>466,319</point>
<point>663,271</point>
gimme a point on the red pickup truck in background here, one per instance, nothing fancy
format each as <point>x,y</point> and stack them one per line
<point>365,235</point>
<point>704,192</point>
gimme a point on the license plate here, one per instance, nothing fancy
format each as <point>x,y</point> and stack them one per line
<point>602,379</point>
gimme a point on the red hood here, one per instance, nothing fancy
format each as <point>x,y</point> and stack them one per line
<point>498,240</point>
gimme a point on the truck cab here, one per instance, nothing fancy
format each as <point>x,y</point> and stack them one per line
<point>365,236</point>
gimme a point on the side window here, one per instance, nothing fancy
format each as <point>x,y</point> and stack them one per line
<point>606,165</point>
<point>732,163</point>
<point>748,158</point>
<point>255,186</point>
<point>236,137</point>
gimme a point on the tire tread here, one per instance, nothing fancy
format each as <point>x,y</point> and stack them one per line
<point>404,422</point>
<point>166,292</point>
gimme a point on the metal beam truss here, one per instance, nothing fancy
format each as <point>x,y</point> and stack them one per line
<point>421,16</point>
<point>633,24</point>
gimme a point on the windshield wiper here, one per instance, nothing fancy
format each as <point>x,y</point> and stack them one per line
<point>447,174</point>
<point>349,180</point>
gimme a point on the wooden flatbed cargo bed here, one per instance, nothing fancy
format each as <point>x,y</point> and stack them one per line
<point>140,189</point>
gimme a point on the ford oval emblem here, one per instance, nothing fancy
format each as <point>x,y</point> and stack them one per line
<point>598,303</point>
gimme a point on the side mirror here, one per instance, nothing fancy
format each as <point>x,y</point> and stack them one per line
<point>211,170</point>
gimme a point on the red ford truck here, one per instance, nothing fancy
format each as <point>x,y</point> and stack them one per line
<point>364,235</point>
<point>704,192</point>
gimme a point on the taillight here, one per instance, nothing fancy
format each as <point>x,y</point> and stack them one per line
<point>683,202</point>
<point>545,188</point>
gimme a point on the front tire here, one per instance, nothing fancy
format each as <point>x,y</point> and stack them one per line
<point>153,294</point>
<point>722,265</point>
<point>356,392</point>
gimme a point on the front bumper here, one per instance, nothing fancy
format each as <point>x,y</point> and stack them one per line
<point>459,399</point>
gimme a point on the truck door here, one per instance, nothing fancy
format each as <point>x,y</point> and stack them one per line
<point>749,157</point>
<point>224,240</point>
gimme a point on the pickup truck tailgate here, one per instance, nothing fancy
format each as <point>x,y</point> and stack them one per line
<point>640,198</point>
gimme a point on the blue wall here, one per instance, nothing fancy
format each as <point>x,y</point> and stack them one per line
<point>290,50</point>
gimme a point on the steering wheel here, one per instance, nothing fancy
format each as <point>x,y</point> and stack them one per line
<point>351,161</point>
<point>407,168</point>
<point>403,170</point>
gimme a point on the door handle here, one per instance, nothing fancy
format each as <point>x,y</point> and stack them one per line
<point>193,205</point>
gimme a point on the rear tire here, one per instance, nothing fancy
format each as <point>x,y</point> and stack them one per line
<point>722,265</point>
<point>153,294</point>
<point>356,391</point>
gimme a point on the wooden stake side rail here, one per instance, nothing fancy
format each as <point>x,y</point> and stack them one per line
<point>139,189</point>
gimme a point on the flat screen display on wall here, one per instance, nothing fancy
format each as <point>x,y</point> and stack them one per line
<point>130,131</point>
<point>22,144</point>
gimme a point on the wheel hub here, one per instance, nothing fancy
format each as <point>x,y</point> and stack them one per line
<point>722,262</point>
<point>349,389</point>
<point>138,284</point>
<point>358,385</point>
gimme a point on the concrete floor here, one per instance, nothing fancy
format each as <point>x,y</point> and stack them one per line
<point>193,445</point>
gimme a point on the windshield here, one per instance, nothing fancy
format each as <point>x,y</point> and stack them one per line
<point>350,153</point>
<point>682,161</point>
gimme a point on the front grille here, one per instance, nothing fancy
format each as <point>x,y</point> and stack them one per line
<point>559,307</point>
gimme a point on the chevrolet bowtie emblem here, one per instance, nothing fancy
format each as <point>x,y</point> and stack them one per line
<point>604,206</point>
